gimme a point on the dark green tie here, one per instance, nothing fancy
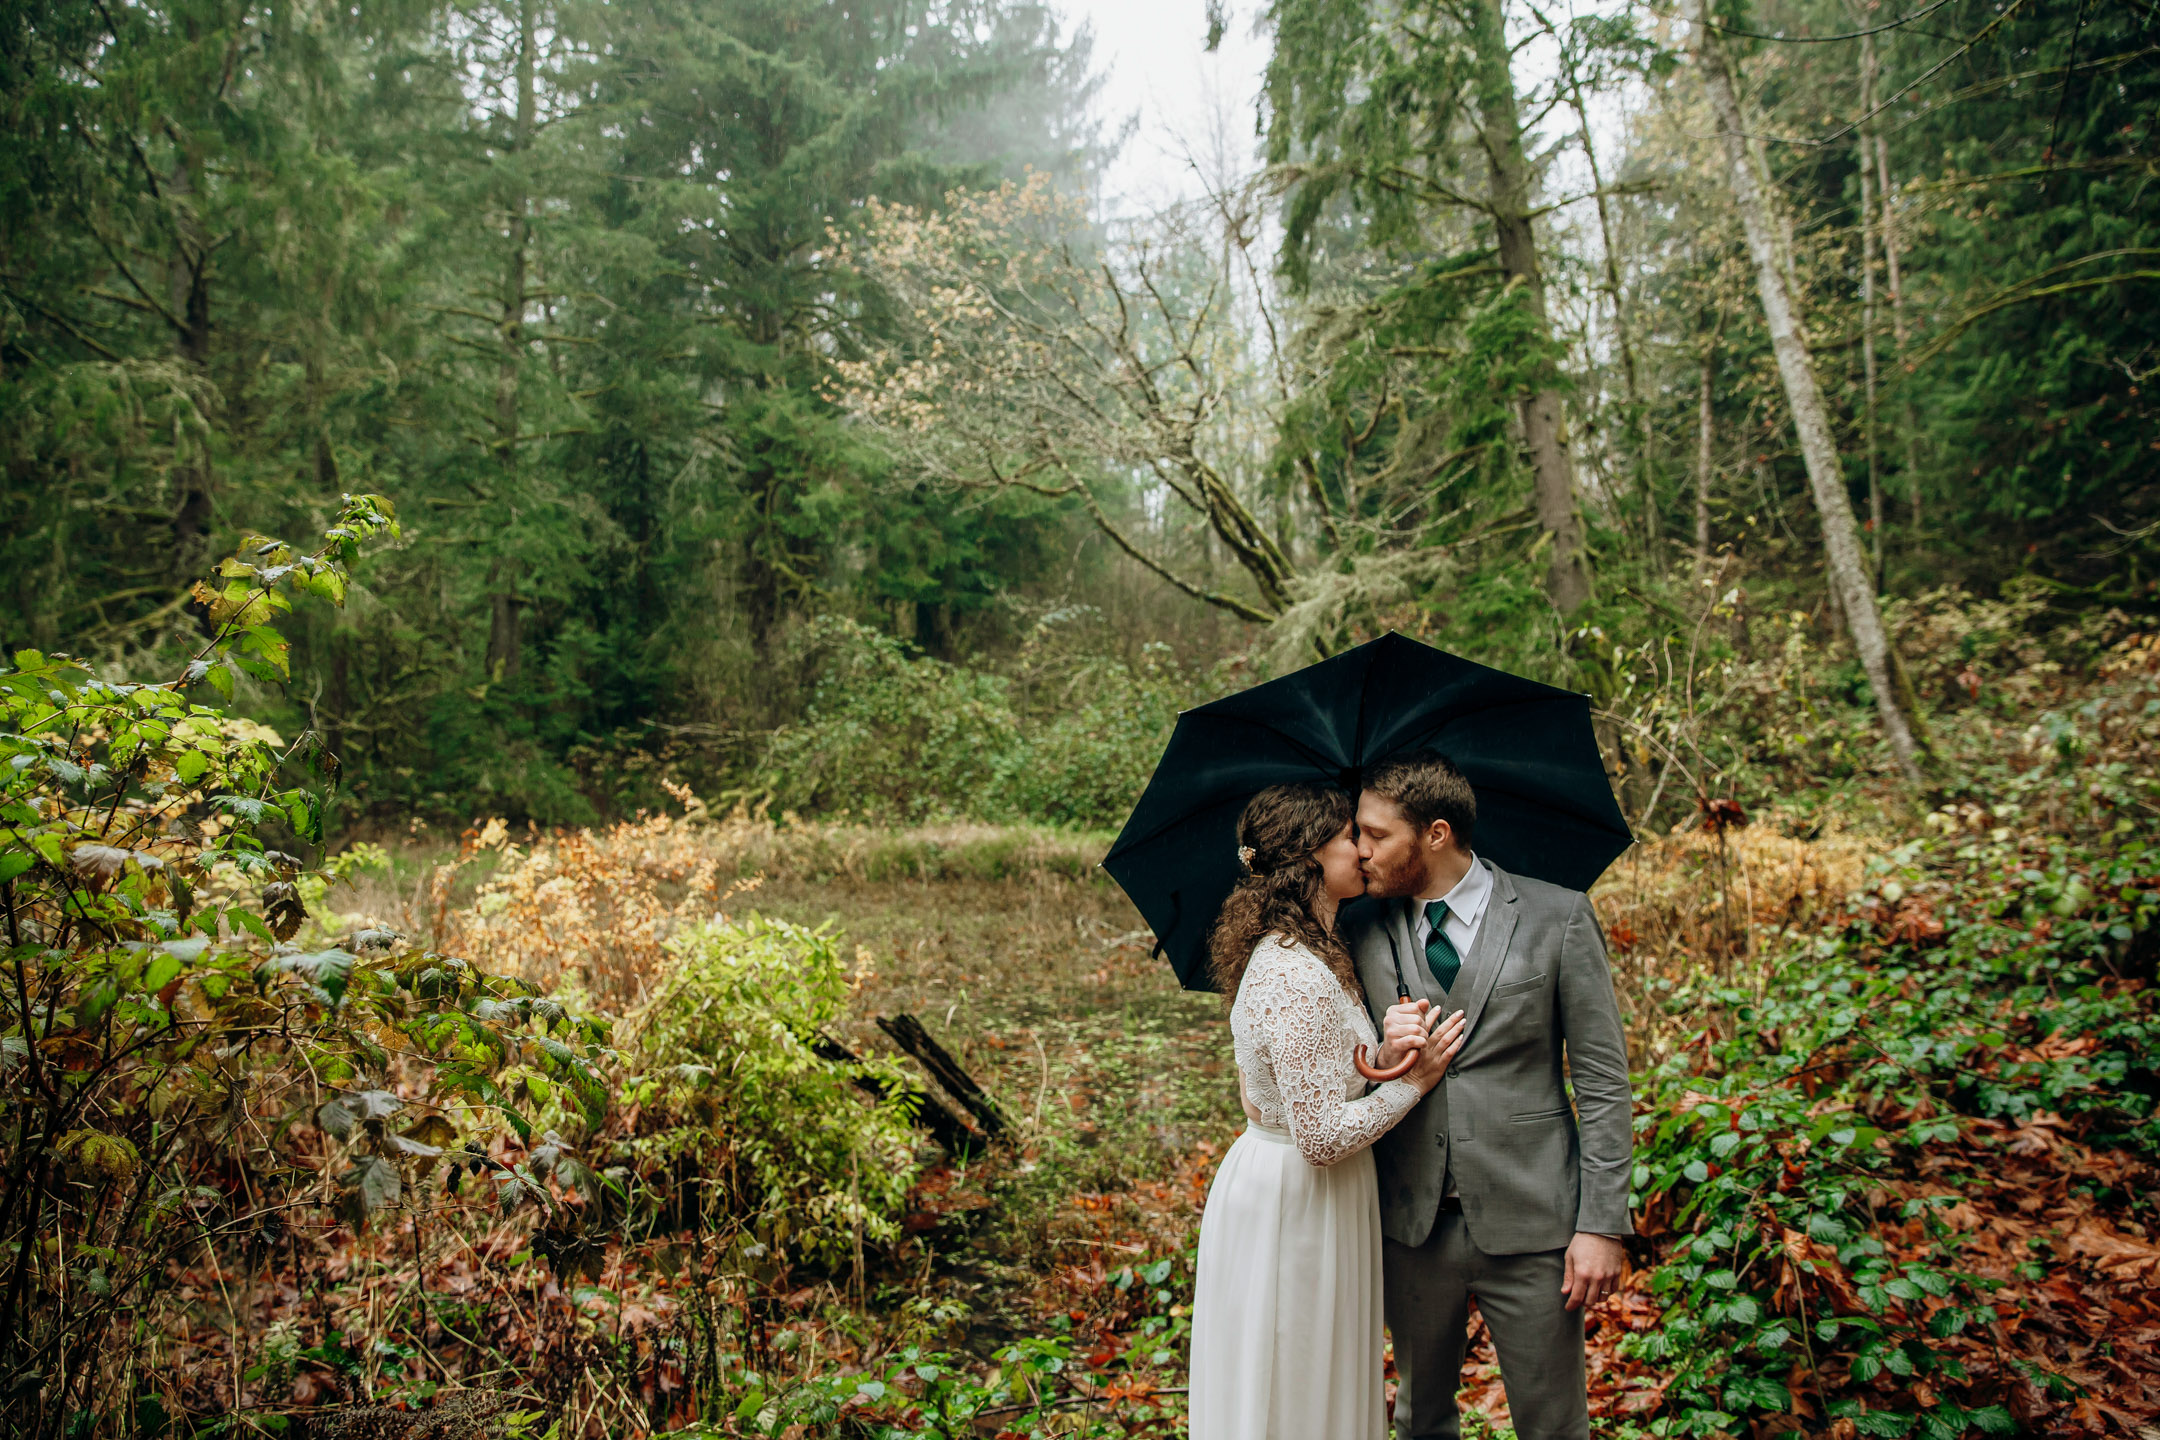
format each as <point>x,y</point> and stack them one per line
<point>1440,956</point>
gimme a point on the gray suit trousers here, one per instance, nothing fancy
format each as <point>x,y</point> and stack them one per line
<point>1539,1340</point>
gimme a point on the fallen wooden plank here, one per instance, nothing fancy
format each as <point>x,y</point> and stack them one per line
<point>953,1134</point>
<point>908,1033</point>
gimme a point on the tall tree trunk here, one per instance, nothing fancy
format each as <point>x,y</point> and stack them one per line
<point>1705,432</point>
<point>1567,575</point>
<point>1638,413</point>
<point>1884,190</point>
<point>187,288</point>
<point>1867,312</point>
<point>505,609</point>
<point>1849,581</point>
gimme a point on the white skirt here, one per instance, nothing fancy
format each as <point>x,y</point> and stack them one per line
<point>1287,1322</point>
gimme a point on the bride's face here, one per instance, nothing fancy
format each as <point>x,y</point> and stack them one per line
<point>1339,864</point>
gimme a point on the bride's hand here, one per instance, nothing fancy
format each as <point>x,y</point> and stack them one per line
<point>1402,1030</point>
<point>1438,1052</point>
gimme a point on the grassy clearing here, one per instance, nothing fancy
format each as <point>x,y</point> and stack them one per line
<point>1838,1033</point>
<point>1008,943</point>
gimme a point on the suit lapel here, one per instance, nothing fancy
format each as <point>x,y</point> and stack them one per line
<point>1489,954</point>
<point>1382,943</point>
<point>1414,973</point>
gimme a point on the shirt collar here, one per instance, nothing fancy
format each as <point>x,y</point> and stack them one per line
<point>1466,902</point>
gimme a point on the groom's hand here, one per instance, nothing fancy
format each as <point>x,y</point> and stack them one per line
<point>1402,1030</point>
<point>1593,1269</point>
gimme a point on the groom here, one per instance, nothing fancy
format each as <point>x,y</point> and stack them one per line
<point>1495,1186</point>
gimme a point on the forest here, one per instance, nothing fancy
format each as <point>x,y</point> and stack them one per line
<point>585,584</point>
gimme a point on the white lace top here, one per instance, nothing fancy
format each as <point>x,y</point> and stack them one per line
<point>1295,1028</point>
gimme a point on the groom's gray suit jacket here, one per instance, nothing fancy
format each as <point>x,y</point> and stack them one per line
<point>1531,1169</point>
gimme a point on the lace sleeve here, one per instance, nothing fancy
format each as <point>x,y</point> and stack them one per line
<point>1308,1047</point>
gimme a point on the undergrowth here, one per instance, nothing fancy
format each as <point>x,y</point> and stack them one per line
<point>599,1118</point>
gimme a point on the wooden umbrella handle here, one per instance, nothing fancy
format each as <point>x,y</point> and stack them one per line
<point>1394,1072</point>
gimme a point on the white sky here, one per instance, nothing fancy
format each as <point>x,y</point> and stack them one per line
<point>1190,105</point>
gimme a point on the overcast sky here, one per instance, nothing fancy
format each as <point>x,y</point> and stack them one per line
<point>1190,105</point>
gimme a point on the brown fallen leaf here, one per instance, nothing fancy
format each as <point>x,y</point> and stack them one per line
<point>2119,1256</point>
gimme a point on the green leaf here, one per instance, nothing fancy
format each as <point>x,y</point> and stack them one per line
<point>191,766</point>
<point>163,970</point>
<point>1758,1392</point>
<point>97,999</point>
<point>305,812</point>
<point>14,862</point>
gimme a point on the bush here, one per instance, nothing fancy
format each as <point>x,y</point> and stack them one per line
<point>1089,760</point>
<point>892,736</point>
<point>1845,1159</point>
<point>745,1104</point>
<point>180,1079</point>
<point>889,736</point>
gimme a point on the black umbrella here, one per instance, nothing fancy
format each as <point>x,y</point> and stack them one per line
<point>1545,808</point>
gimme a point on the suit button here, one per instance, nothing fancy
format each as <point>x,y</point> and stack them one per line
<point>1453,1073</point>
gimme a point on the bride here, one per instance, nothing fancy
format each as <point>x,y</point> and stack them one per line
<point>1286,1337</point>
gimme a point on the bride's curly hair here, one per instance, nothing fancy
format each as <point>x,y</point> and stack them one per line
<point>1281,828</point>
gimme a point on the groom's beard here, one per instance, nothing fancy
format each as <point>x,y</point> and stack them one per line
<point>1393,883</point>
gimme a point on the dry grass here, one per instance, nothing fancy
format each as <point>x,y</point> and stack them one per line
<point>1016,952</point>
<point>996,935</point>
<point>1705,901</point>
<point>596,908</point>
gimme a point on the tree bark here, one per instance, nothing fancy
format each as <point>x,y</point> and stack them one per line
<point>187,283</point>
<point>1849,580</point>
<point>1567,574</point>
<point>505,642</point>
<point>1884,190</point>
<point>1638,413</point>
<point>1867,313</point>
<point>1705,433</point>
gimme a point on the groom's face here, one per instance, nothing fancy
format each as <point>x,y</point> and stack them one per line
<point>1392,852</point>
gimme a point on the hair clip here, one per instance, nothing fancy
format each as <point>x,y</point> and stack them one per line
<point>1245,856</point>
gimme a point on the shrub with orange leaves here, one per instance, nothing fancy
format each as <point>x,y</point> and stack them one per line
<point>594,908</point>
<point>1701,901</point>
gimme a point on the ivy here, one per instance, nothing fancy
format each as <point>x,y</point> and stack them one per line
<point>1795,1176</point>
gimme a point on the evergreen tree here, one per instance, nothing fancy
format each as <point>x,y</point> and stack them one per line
<point>1412,115</point>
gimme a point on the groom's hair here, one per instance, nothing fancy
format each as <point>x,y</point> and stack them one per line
<point>1427,787</point>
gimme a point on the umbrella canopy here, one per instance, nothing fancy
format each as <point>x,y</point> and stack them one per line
<point>1545,808</point>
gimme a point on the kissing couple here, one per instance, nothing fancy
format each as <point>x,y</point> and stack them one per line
<point>1473,1174</point>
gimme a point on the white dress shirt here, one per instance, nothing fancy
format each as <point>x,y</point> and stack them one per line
<point>1465,911</point>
